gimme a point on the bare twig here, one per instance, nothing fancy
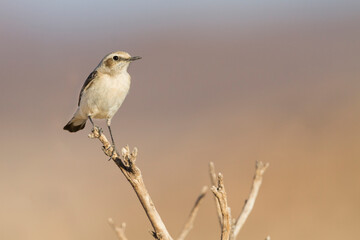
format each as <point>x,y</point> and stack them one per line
<point>249,203</point>
<point>190,222</point>
<point>213,181</point>
<point>120,231</point>
<point>220,194</point>
<point>133,175</point>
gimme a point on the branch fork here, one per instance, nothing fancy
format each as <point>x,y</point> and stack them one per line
<point>231,228</point>
<point>120,231</point>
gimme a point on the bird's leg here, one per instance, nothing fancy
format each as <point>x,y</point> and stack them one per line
<point>108,123</point>
<point>90,119</point>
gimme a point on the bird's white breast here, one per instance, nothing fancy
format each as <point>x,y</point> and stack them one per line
<point>105,95</point>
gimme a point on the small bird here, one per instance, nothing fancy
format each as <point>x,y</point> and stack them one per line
<point>103,92</point>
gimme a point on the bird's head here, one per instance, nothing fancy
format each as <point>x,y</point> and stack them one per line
<point>116,62</point>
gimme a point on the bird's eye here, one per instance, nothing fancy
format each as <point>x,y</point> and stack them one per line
<point>115,58</point>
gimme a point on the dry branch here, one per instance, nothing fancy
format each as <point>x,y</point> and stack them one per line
<point>133,175</point>
<point>220,194</point>
<point>249,203</point>
<point>229,229</point>
<point>213,180</point>
<point>190,222</point>
<point>120,231</point>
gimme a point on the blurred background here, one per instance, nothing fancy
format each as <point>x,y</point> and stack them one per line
<point>225,81</point>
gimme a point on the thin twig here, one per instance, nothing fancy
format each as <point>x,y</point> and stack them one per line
<point>220,194</point>
<point>249,203</point>
<point>120,231</point>
<point>190,222</point>
<point>133,175</point>
<point>213,181</point>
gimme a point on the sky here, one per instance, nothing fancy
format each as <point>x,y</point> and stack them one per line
<point>76,17</point>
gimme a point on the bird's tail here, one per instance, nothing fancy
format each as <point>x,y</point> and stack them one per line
<point>75,124</point>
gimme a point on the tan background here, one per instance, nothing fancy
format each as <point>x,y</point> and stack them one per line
<point>221,81</point>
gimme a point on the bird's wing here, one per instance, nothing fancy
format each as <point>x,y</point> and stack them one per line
<point>87,84</point>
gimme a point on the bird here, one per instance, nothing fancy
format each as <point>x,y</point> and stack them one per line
<point>103,92</point>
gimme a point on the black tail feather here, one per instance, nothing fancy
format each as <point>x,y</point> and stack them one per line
<point>71,127</point>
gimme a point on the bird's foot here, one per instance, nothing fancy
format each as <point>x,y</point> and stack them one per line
<point>98,129</point>
<point>113,152</point>
<point>95,132</point>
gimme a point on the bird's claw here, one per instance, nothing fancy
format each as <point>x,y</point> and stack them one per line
<point>97,129</point>
<point>112,152</point>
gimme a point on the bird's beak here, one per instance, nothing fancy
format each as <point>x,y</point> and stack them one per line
<point>134,58</point>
